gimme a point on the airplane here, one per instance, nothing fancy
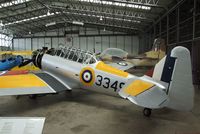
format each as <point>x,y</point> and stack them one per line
<point>123,60</point>
<point>10,63</point>
<point>68,68</point>
<point>25,53</point>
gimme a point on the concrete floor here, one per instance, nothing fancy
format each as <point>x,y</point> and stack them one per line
<point>84,112</point>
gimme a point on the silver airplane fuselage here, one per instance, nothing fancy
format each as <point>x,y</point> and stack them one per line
<point>70,73</point>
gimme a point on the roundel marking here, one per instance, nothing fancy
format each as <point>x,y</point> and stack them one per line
<point>87,76</point>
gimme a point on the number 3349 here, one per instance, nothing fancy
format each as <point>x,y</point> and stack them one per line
<point>106,83</point>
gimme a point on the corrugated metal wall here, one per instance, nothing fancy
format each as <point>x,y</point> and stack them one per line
<point>128,43</point>
<point>89,39</point>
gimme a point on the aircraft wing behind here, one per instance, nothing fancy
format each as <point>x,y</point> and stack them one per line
<point>121,65</point>
<point>40,83</point>
<point>28,52</point>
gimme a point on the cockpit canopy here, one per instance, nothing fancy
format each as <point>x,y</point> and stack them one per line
<point>74,54</point>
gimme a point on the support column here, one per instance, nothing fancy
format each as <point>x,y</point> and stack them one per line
<point>167,41</point>
<point>178,22</point>
<point>160,28</point>
<point>194,20</point>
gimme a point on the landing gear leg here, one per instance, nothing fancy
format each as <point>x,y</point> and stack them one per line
<point>68,91</point>
<point>147,112</point>
<point>17,97</point>
<point>33,96</point>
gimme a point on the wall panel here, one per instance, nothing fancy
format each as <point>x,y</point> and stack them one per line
<point>21,45</point>
<point>135,45</point>
<point>105,42</point>
<point>41,42</point>
<point>47,42</point>
<point>35,43</point>
<point>128,44</point>
<point>28,44</point>
<point>113,41</point>
<point>76,42</point>
<point>120,42</point>
<point>99,43</point>
<point>83,42</point>
<point>61,41</point>
<point>55,42</point>
<point>15,44</point>
<point>91,43</point>
<point>68,41</point>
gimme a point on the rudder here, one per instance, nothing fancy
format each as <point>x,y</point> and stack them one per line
<point>175,69</point>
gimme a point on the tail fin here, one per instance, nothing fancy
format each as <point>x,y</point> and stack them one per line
<point>175,69</point>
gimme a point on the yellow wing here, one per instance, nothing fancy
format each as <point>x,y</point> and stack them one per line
<point>25,84</point>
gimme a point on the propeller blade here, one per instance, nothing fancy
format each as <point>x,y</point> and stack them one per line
<point>25,63</point>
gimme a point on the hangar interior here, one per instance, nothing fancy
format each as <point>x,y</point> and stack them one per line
<point>95,25</point>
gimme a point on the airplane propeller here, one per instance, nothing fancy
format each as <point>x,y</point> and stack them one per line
<point>24,63</point>
<point>36,57</point>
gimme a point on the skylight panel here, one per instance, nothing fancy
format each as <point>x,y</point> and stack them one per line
<point>14,2</point>
<point>118,4</point>
<point>32,18</point>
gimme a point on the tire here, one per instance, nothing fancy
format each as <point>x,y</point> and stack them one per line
<point>147,112</point>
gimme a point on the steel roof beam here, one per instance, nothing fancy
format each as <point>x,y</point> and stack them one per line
<point>104,13</point>
<point>104,9</point>
<point>149,3</point>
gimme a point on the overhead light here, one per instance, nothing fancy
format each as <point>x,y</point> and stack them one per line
<point>50,24</point>
<point>48,13</point>
<point>1,24</point>
<point>101,18</point>
<point>77,23</point>
<point>29,32</point>
<point>104,29</point>
<point>13,2</point>
<point>33,18</point>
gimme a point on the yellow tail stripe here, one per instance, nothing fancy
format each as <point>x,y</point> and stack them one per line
<point>137,87</point>
<point>106,68</point>
<point>21,81</point>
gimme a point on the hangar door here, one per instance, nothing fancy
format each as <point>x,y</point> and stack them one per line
<point>196,62</point>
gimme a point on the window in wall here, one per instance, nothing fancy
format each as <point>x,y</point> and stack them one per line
<point>5,42</point>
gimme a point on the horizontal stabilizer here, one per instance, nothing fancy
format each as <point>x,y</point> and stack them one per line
<point>144,92</point>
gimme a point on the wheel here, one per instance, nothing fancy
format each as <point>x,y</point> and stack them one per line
<point>147,112</point>
<point>33,96</point>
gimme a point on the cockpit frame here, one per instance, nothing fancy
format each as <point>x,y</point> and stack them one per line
<point>75,54</point>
